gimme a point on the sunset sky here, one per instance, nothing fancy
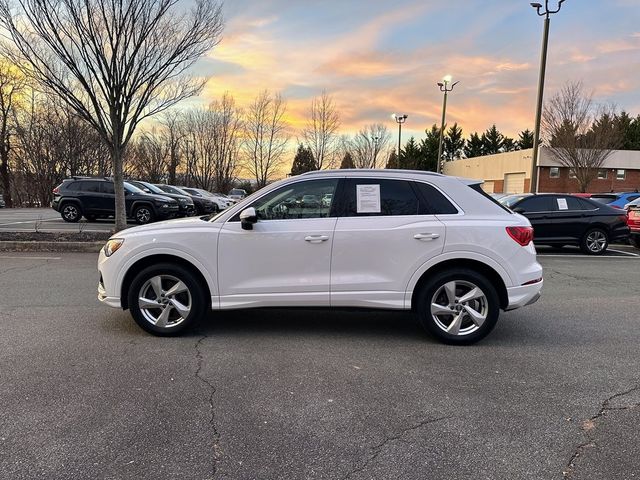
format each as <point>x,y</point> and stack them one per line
<point>378,57</point>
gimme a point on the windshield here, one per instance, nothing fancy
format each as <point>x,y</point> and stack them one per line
<point>132,188</point>
<point>192,191</point>
<point>511,200</point>
<point>172,189</point>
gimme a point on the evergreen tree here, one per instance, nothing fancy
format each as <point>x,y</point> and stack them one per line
<point>525,139</point>
<point>492,141</point>
<point>303,161</point>
<point>347,161</point>
<point>509,145</point>
<point>429,150</point>
<point>393,160</point>
<point>410,155</point>
<point>629,129</point>
<point>474,146</point>
<point>453,143</point>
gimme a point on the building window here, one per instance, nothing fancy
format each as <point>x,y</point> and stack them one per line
<point>621,174</point>
<point>602,174</point>
<point>554,172</point>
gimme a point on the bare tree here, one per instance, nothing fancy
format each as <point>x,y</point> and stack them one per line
<point>115,62</point>
<point>11,83</point>
<point>320,132</point>
<point>229,124</point>
<point>147,157</point>
<point>579,134</point>
<point>365,146</point>
<point>266,136</point>
<point>171,122</point>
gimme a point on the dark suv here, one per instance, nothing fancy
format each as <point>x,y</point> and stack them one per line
<point>187,209</point>
<point>95,197</point>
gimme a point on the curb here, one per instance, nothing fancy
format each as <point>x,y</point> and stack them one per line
<point>35,246</point>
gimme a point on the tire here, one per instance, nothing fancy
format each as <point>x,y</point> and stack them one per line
<point>71,212</point>
<point>440,291</point>
<point>90,218</point>
<point>594,242</point>
<point>635,240</point>
<point>143,214</point>
<point>167,319</point>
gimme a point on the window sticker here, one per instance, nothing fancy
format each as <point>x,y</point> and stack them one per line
<point>368,198</point>
<point>562,204</point>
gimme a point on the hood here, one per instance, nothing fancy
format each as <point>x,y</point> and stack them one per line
<point>179,224</point>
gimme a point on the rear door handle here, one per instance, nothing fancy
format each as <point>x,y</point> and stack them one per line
<point>426,236</point>
<point>316,238</point>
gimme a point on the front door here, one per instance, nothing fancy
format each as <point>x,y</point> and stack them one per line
<point>285,258</point>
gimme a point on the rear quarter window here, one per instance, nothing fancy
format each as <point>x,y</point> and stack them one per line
<point>433,202</point>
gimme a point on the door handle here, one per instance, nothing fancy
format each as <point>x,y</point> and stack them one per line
<point>426,236</point>
<point>316,238</point>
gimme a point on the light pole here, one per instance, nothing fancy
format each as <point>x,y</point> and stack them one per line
<point>445,86</point>
<point>543,66</point>
<point>375,139</point>
<point>400,119</point>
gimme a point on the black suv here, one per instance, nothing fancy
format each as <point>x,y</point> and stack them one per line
<point>95,197</point>
<point>203,205</point>
<point>185,202</point>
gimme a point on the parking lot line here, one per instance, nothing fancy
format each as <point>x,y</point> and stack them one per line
<point>31,258</point>
<point>29,221</point>
<point>631,254</point>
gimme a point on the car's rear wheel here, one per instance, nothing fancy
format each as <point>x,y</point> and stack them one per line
<point>166,299</point>
<point>71,212</point>
<point>594,242</point>
<point>143,215</point>
<point>458,306</point>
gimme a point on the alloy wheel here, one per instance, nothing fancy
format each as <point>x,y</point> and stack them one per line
<point>143,215</point>
<point>70,212</point>
<point>596,241</point>
<point>459,307</point>
<point>164,301</point>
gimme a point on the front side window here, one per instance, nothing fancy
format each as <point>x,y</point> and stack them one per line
<point>377,197</point>
<point>621,174</point>
<point>308,199</point>
<point>554,172</point>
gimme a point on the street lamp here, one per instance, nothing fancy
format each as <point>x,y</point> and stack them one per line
<point>543,66</point>
<point>400,119</point>
<point>445,86</point>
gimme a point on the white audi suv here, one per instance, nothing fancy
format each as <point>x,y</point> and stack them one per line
<point>384,239</point>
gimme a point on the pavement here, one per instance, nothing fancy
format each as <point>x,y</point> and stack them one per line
<point>47,220</point>
<point>552,393</point>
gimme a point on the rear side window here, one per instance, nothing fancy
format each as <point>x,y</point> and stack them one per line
<point>433,202</point>
<point>537,204</point>
<point>568,203</point>
<point>89,186</point>
<point>107,187</point>
<point>365,197</point>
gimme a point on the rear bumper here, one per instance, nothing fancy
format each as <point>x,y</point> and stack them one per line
<point>523,295</point>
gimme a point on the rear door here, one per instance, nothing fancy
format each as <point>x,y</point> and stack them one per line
<point>107,198</point>
<point>90,196</point>
<point>570,221</point>
<point>382,236</point>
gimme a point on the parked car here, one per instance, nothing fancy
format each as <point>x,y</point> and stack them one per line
<point>2,203</point>
<point>237,193</point>
<point>201,204</point>
<point>635,203</point>
<point>309,201</point>
<point>617,200</point>
<point>95,198</point>
<point>381,244</point>
<point>185,203</point>
<point>633,221</point>
<point>559,220</point>
<point>221,201</point>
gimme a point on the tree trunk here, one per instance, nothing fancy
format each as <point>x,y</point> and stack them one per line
<point>6,179</point>
<point>118,184</point>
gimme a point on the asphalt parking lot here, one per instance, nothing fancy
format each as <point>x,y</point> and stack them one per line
<point>46,220</point>
<point>553,392</point>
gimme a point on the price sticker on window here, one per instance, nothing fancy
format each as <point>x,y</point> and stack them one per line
<point>368,198</point>
<point>562,204</point>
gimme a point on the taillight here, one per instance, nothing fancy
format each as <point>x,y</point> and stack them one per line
<point>522,235</point>
<point>56,190</point>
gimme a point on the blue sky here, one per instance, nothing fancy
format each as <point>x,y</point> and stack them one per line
<point>377,57</point>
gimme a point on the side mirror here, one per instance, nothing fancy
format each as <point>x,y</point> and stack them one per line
<point>248,217</point>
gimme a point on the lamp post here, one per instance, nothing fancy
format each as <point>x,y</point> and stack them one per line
<point>445,86</point>
<point>543,66</point>
<point>375,140</point>
<point>400,119</point>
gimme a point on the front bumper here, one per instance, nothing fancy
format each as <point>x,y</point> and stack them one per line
<point>523,295</point>
<point>102,296</point>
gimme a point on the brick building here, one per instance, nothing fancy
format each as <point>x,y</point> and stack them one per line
<point>510,172</point>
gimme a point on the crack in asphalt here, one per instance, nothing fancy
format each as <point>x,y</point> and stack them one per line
<point>22,268</point>
<point>590,425</point>
<point>212,391</point>
<point>392,438</point>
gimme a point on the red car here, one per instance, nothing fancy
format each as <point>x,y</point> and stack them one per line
<point>633,221</point>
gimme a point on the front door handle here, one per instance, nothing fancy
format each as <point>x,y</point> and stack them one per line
<point>316,238</point>
<point>426,236</point>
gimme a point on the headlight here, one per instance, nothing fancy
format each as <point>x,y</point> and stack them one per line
<point>182,200</point>
<point>112,246</point>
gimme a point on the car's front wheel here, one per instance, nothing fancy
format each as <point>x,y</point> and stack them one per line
<point>594,242</point>
<point>166,299</point>
<point>143,215</point>
<point>458,306</point>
